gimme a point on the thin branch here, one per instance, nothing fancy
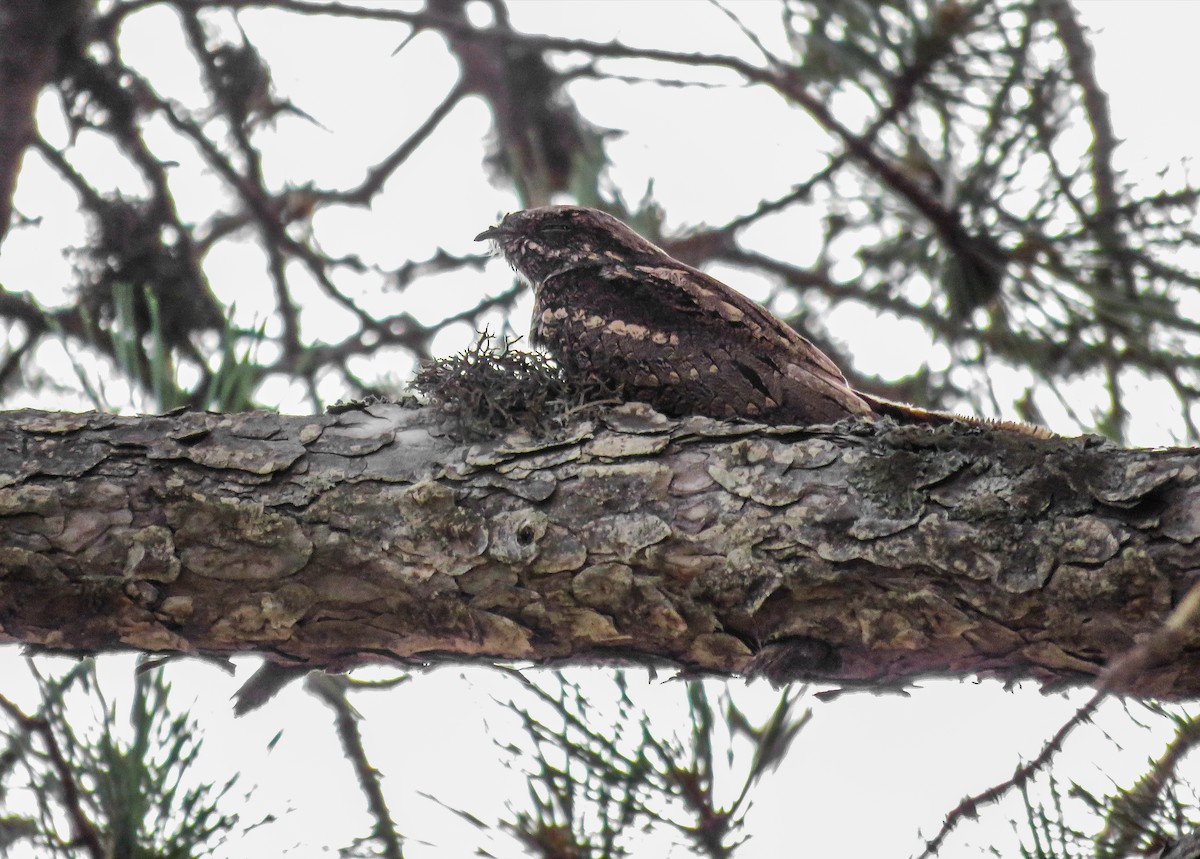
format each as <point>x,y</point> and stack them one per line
<point>379,174</point>
<point>83,831</point>
<point>331,690</point>
<point>1155,649</point>
<point>1082,61</point>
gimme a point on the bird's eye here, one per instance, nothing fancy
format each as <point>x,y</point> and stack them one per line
<point>554,228</point>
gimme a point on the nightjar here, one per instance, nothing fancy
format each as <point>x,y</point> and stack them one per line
<point>614,309</point>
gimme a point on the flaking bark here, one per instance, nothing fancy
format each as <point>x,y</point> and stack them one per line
<point>859,553</point>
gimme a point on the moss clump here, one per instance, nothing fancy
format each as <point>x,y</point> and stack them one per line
<point>491,388</point>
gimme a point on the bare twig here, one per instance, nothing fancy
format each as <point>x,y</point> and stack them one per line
<point>1166,641</point>
<point>83,831</point>
<point>331,690</point>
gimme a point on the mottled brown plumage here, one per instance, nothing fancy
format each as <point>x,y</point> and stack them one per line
<point>615,310</point>
<point>611,307</point>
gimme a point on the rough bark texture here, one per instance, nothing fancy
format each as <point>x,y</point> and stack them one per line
<point>862,553</point>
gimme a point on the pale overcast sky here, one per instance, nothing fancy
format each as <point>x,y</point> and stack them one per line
<point>869,772</point>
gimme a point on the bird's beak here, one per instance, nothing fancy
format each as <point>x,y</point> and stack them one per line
<point>490,233</point>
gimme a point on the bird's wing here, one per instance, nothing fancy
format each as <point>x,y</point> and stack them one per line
<point>702,296</point>
<point>668,317</point>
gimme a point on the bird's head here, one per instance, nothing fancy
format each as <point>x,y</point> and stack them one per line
<point>549,240</point>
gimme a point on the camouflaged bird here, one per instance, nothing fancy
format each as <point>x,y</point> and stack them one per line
<point>616,310</point>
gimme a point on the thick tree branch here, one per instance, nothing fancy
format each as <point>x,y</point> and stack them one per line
<point>856,554</point>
